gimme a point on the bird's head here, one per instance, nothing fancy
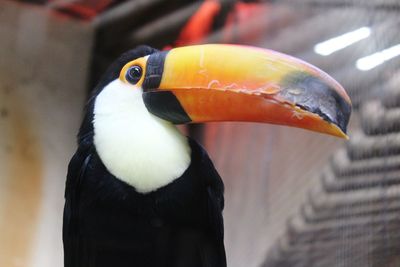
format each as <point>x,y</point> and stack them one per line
<point>131,114</point>
<point>206,83</point>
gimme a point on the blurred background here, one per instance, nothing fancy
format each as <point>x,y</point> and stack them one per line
<point>293,198</point>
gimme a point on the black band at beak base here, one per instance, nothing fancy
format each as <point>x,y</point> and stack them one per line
<point>154,70</point>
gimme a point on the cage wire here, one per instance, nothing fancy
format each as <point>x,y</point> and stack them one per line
<point>293,199</point>
<point>352,216</point>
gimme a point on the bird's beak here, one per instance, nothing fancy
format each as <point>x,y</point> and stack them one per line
<point>237,83</point>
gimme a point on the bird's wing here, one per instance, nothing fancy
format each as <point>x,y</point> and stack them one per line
<point>215,201</point>
<point>76,171</point>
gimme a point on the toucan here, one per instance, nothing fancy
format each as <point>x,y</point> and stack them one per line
<point>141,194</point>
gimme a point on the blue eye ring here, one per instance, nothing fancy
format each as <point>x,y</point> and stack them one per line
<point>134,74</point>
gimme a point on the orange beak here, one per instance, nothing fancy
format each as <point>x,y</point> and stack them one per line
<point>237,83</point>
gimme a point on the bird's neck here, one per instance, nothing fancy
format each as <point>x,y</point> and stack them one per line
<point>136,147</point>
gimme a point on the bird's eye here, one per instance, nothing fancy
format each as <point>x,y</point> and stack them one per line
<point>133,74</point>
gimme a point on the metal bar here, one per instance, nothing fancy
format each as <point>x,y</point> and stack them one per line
<point>382,4</point>
<point>342,165</point>
<point>331,183</point>
<point>158,32</point>
<point>362,146</point>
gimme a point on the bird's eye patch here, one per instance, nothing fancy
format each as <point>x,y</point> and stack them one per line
<point>134,74</point>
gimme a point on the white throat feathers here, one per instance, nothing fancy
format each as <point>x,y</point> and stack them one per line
<point>137,147</point>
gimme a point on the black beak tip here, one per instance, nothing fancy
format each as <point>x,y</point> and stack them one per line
<point>317,96</point>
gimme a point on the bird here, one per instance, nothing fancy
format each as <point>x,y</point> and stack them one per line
<point>138,191</point>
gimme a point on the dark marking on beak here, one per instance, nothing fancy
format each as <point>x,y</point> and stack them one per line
<point>154,71</point>
<point>165,105</point>
<point>315,95</point>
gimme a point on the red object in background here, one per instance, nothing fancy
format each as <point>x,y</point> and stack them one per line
<point>200,24</point>
<point>234,30</point>
<point>83,9</point>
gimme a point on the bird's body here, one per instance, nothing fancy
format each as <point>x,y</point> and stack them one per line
<point>108,223</point>
<point>138,192</point>
<point>143,212</point>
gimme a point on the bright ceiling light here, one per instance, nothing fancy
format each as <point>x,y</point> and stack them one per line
<point>371,61</point>
<point>340,42</point>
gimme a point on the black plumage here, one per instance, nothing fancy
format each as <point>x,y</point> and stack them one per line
<point>108,223</point>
